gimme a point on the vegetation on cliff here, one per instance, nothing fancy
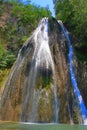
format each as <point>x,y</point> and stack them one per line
<point>73,13</point>
<point>17,22</point>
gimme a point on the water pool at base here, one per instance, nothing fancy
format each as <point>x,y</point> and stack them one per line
<point>38,126</point>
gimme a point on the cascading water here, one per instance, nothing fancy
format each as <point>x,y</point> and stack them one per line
<point>41,58</point>
<point>38,88</point>
<point>79,98</point>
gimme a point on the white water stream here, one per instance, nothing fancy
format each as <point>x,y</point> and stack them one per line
<point>41,58</point>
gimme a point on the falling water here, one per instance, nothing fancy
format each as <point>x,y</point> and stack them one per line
<point>31,93</point>
<point>72,75</point>
<point>70,112</point>
<point>16,69</point>
<point>41,58</point>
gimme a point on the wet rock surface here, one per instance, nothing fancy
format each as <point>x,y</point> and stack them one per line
<point>29,93</point>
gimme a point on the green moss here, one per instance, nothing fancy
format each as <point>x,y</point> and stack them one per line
<point>44,80</point>
<point>1,9</point>
<point>3,75</point>
<point>45,110</point>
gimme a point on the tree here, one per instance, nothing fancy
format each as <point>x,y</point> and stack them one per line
<point>1,51</point>
<point>73,13</point>
<point>22,19</point>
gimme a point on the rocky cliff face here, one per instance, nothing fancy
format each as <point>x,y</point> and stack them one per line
<point>39,88</point>
<point>82,79</point>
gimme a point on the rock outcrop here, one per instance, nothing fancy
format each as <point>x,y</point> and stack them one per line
<point>29,95</point>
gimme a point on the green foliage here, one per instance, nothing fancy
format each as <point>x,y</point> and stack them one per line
<point>81,52</point>
<point>1,1</point>
<point>1,51</point>
<point>22,21</point>
<point>44,79</point>
<point>29,14</point>
<point>19,21</point>
<point>6,60</point>
<point>1,9</point>
<point>3,74</point>
<point>63,9</point>
<point>74,14</point>
<point>79,19</point>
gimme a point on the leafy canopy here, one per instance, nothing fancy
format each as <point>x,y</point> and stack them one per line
<point>74,14</point>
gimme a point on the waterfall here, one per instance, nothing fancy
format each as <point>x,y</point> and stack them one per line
<point>16,69</point>
<point>41,58</point>
<point>41,87</point>
<point>77,93</point>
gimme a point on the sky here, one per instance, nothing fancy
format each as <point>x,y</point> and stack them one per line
<point>44,3</point>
